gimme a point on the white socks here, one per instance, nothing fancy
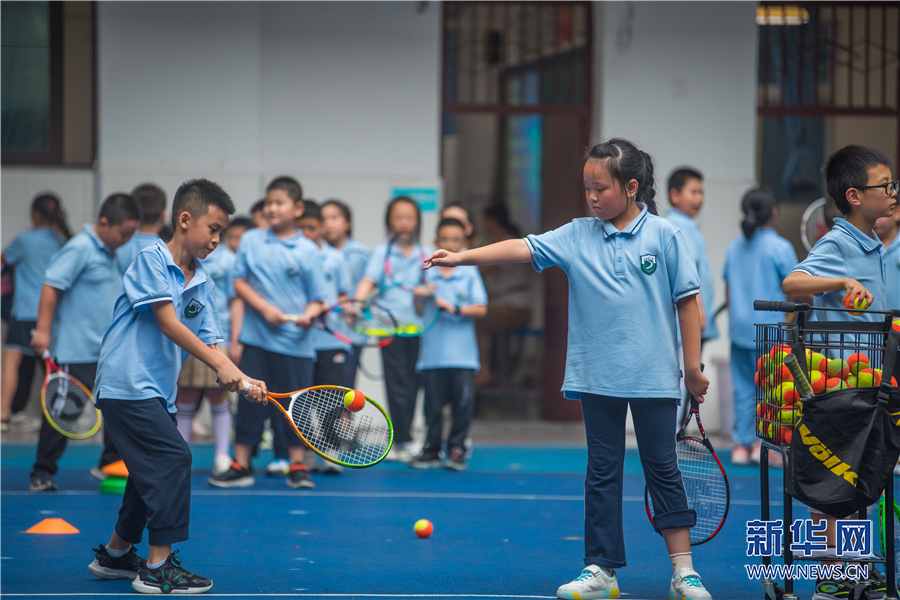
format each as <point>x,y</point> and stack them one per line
<point>185,418</point>
<point>681,560</point>
<point>221,426</point>
<point>118,553</point>
<point>156,565</point>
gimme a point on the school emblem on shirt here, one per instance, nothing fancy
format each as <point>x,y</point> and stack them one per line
<point>292,269</point>
<point>648,263</point>
<point>193,308</point>
<point>328,276</point>
<point>216,273</point>
<point>462,296</point>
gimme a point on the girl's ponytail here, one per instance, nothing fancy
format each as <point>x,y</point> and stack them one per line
<point>758,206</point>
<point>49,210</point>
<point>625,162</point>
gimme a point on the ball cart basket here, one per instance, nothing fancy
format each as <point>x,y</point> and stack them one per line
<point>846,362</point>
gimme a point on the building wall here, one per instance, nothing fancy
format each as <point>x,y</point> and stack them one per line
<point>685,92</point>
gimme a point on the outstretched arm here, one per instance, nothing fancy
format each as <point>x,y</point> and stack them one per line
<point>803,284</point>
<point>501,253</point>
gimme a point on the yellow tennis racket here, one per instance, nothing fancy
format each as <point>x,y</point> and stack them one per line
<point>67,403</point>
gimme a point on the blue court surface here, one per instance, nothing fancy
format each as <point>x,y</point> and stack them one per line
<point>510,527</point>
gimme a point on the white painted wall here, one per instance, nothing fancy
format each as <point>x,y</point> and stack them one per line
<point>685,92</point>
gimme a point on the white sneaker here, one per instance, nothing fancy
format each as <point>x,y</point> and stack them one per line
<point>23,423</point>
<point>592,583</point>
<point>330,468</point>
<point>686,585</point>
<point>278,468</point>
<point>221,463</point>
<point>399,454</point>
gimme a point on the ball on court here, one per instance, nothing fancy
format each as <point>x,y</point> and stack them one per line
<point>817,381</point>
<point>859,303</point>
<point>423,528</point>
<point>857,362</point>
<point>838,368</point>
<point>354,400</point>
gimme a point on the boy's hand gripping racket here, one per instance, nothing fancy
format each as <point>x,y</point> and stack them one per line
<point>359,438</point>
<point>68,405</point>
<point>705,481</point>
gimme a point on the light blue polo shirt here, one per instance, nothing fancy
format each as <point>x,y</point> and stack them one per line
<point>694,238</point>
<point>30,252</point>
<point>287,273</point>
<point>623,286</point>
<point>452,343</point>
<point>137,361</point>
<point>754,270</point>
<point>356,255</point>
<point>403,269</point>
<point>892,274</point>
<point>129,251</point>
<point>87,275</point>
<point>219,266</point>
<point>845,251</point>
<point>337,281</point>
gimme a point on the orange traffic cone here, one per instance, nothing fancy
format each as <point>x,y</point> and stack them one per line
<point>116,469</point>
<point>52,526</point>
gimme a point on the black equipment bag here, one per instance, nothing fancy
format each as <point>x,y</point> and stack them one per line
<point>846,444</point>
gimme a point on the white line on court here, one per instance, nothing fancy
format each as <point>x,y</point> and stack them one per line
<point>424,495</point>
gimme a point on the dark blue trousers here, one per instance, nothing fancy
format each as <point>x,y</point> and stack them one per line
<point>604,423</point>
<point>158,492</point>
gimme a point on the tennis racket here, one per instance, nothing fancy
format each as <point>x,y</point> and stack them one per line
<point>357,322</point>
<point>412,305</point>
<point>813,224</point>
<point>705,481</point>
<point>352,439</point>
<point>68,405</point>
<point>882,515</point>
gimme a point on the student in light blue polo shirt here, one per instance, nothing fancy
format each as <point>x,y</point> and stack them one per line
<point>848,262</point>
<point>166,311</point>
<point>152,200</point>
<point>400,260</point>
<point>888,229</point>
<point>755,265</point>
<point>30,253</point>
<point>278,272</point>
<point>76,306</point>
<point>448,354</point>
<point>628,272</point>
<point>338,232</point>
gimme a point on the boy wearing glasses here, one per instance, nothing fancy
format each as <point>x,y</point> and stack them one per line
<point>448,354</point>
<point>849,262</point>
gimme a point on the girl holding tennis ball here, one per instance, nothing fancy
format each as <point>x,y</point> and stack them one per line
<point>628,272</point>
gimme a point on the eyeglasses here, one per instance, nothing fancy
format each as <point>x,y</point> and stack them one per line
<point>890,188</point>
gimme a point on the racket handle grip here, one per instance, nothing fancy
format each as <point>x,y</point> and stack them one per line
<point>246,385</point>
<point>785,307</point>
<point>800,380</point>
<point>291,318</point>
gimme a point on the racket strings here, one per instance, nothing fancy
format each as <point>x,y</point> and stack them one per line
<point>69,406</point>
<point>353,438</point>
<point>705,486</point>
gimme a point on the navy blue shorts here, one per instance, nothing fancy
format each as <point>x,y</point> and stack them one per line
<point>281,374</point>
<point>18,335</point>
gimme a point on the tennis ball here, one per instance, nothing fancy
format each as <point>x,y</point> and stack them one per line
<point>787,415</point>
<point>834,384</point>
<point>765,364</point>
<point>837,367</point>
<point>781,390</point>
<point>868,378</point>
<point>423,528</point>
<point>760,379</point>
<point>816,362</point>
<point>817,381</point>
<point>896,324</point>
<point>779,358</point>
<point>779,349</point>
<point>857,362</point>
<point>784,435</point>
<point>860,303</point>
<point>354,400</point>
<point>791,397</point>
<point>780,375</point>
<point>852,381</point>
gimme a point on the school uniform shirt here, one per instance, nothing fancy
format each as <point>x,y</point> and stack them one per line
<point>337,281</point>
<point>89,280</point>
<point>30,252</point>
<point>219,267</point>
<point>845,251</point>
<point>129,251</point>
<point>694,238</point>
<point>137,361</point>
<point>287,273</point>
<point>754,270</point>
<point>452,344</point>
<point>623,286</point>
<point>892,274</point>
<point>402,269</point>
<point>356,255</point>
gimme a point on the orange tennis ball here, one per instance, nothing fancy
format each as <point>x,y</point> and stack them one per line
<point>834,384</point>
<point>354,401</point>
<point>859,302</point>
<point>817,381</point>
<point>838,368</point>
<point>423,528</point>
<point>779,349</point>
<point>857,362</point>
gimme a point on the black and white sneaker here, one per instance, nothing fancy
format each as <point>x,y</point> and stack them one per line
<point>106,566</point>
<point>299,477</point>
<point>170,578</point>
<point>41,481</point>
<point>428,458</point>
<point>457,460</point>
<point>235,476</point>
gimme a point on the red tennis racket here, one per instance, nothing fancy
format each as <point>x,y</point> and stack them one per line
<point>68,405</point>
